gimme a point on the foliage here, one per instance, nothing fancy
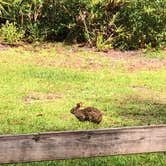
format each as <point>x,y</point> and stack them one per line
<point>101,19</point>
<point>102,45</point>
<point>142,24</point>
<point>61,18</point>
<point>10,33</point>
<point>35,33</point>
<point>126,24</point>
<point>3,5</point>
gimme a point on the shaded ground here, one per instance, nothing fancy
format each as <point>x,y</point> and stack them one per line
<point>147,111</point>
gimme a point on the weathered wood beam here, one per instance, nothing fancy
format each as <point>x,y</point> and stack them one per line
<point>82,144</point>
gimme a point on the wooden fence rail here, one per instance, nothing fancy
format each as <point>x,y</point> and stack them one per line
<point>82,144</point>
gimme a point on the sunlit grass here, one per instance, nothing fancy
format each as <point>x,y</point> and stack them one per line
<point>49,80</point>
<point>156,54</point>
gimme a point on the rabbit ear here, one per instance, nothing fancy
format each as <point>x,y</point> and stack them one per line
<point>79,104</point>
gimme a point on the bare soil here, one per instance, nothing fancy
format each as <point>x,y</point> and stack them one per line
<point>134,61</point>
<point>3,47</point>
<point>41,97</point>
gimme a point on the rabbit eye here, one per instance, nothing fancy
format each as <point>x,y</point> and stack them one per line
<point>73,111</point>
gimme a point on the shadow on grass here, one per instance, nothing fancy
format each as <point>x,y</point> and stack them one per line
<point>142,111</point>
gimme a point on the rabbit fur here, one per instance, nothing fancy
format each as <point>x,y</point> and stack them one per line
<point>87,114</point>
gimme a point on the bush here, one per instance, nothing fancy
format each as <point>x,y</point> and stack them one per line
<point>35,33</point>
<point>10,33</point>
<point>142,24</point>
<point>60,19</point>
<point>125,24</point>
<point>100,21</point>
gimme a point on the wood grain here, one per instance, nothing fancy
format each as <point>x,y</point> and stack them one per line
<point>82,144</point>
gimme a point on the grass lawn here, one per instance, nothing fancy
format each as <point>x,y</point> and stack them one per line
<point>39,85</point>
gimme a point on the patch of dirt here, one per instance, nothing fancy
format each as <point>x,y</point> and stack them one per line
<point>133,61</point>
<point>69,62</point>
<point>3,47</point>
<point>140,88</point>
<point>51,62</point>
<point>41,97</point>
<point>130,60</point>
<point>145,64</point>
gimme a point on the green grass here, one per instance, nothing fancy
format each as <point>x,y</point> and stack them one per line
<point>50,79</point>
<point>156,54</point>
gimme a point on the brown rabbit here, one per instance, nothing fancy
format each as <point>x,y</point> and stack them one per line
<point>87,114</point>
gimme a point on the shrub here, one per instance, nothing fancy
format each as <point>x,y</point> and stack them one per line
<point>126,24</point>
<point>35,33</point>
<point>60,19</point>
<point>142,23</point>
<point>10,33</point>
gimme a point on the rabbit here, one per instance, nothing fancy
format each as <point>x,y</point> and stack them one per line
<point>87,114</point>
